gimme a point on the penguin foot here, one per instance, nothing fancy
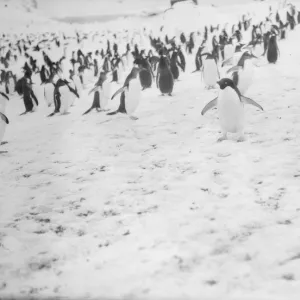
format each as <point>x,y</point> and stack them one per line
<point>222,138</point>
<point>113,113</point>
<point>133,118</point>
<point>51,115</point>
<point>24,113</point>
<point>3,143</point>
<point>241,139</point>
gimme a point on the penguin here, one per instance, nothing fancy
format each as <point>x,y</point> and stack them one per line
<point>3,123</point>
<point>229,49</point>
<point>210,70</point>
<point>164,78</point>
<point>174,65</point>
<point>130,94</point>
<point>230,105</point>
<point>273,50</point>
<point>10,82</point>
<point>198,59</point>
<point>24,88</point>
<point>101,92</point>
<point>3,101</point>
<point>145,73</point>
<point>62,96</point>
<point>242,73</point>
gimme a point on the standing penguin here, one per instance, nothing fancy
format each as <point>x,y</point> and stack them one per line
<point>101,93</point>
<point>3,122</point>
<point>24,87</point>
<point>210,70</point>
<point>130,94</point>
<point>230,105</point>
<point>242,73</point>
<point>164,78</point>
<point>174,65</point>
<point>273,50</point>
<point>3,101</point>
<point>62,96</point>
<point>145,73</point>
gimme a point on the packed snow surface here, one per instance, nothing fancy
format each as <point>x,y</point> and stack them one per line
<point>101,205</point>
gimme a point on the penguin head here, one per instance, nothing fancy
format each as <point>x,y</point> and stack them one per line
<point>225,82</point>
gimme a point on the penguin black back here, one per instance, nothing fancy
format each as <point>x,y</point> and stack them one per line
<point>273,51</point>
<point>164,78</point>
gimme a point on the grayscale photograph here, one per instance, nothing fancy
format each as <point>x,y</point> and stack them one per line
<point>150,149</point>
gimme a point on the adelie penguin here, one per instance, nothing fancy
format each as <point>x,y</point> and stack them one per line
<point>198,60</point>
<point>130,94</point>
<point>273,50</point>
<point>210,70</point>
<point>101,90</point>
<point>164,78</point>
<point>242,73</point>
<point>145,73</point>
<point>3,101</point>
<point>63,96</point>
<point>24,88</point>
<point>230,106</point>
<point>174,65</point>
<point>3,123</point>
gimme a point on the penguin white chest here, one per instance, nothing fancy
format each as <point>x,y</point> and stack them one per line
<point>230,111</point>
<point>11,85</point>
<point>105,93</point>
<point>210,72</point>
<point>2,129</point>
<point>78,84</point>
<point>246,77</point>
<point>228,51</point>
<point>49,94</point>
<point>3,103</point>
<point>65,99</point>
<point>132,95</point>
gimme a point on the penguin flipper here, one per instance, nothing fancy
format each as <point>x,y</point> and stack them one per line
<point>211,104</point>
<point>233,69</point>
<point>118,92</point>
<point>4,95</point>
<point>226,61</point>
<point>93,90</point>
<point>250,101</point>
<point>113,113</point>
<point>4,118</point>
<point>88,111</point>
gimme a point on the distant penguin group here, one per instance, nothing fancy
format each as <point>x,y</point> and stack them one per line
<point>56,69</point>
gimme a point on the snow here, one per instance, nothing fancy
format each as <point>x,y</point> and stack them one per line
<point>103,206</point>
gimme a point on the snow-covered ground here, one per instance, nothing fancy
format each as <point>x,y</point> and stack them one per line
<point>101,205</point>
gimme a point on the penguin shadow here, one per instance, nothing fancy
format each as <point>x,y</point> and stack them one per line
<point>163,95</point>
<point>3,151</point>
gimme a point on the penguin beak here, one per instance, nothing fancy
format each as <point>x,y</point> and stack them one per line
<point>253,56</point>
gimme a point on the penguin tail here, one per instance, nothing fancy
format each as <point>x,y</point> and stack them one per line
<point>87,111</point>
<point>113,113</point>
<point>52,114</point>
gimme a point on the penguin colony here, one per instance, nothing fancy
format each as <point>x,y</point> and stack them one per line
<point>29,68</point>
